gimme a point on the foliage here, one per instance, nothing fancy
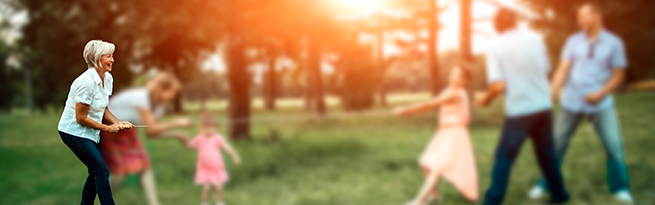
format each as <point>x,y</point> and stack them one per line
<point>166,34</point>
<point>9,89</point>
<point>204,86</point>
<point>358,79</point>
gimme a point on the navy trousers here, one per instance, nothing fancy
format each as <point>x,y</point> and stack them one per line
<point>516,129</point>
<point>90,153</point>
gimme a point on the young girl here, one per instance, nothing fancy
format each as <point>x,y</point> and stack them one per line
<point>210,170</point>
<point>450,153</point>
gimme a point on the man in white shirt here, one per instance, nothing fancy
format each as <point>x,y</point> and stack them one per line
<point>518,66</point>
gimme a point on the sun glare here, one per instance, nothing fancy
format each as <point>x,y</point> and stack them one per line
<point>364,6</point>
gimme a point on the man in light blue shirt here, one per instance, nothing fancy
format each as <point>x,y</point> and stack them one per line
<point>593,65</point>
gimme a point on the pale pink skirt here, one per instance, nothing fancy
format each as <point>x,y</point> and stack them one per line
<point>450,153</point>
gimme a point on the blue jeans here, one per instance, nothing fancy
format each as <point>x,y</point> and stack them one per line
<point>607,126</point>
<point>516,129</point>
<point>90,153</point>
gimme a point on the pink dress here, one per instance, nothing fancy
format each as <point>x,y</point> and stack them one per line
<point>450,152</point>
<point>210,168</point>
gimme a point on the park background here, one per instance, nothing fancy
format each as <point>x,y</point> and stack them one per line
<point>304,88</point>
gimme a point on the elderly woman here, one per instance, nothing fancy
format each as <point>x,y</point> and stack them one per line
<point>81,121</point>
<point>124,151</point>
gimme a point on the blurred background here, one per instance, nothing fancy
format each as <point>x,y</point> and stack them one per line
<point>304,88</point>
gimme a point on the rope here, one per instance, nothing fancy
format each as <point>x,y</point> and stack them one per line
<point>305,117</point>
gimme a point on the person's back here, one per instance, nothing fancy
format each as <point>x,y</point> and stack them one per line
<point>127,103</point>
<point>517,65</point>
<point>520,58</point>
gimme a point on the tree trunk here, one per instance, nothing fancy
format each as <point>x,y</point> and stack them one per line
<point>238,77</point>
<point>6,89</point>
<point>465,42</point>
<point>433,40</point>
<point>314,80</point>
<point>177,104</point>
<point>380,58</point>
<point>465,31</point>
<point>239,92</point>
<point>270,85</point>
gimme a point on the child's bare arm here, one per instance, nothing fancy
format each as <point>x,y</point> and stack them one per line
<point>188,145</point>
<point>186,142</point>
<point>445,96</point>
<point>228,148</point>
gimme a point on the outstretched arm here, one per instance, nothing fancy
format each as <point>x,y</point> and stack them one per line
<point>188,144</point>
<point>496,78</point>
<point>228,148</point>
<point>161,130</point>
<point>497,88</point>
<point>559,78</point>
<point>114,120</point>
<point>446,96</point>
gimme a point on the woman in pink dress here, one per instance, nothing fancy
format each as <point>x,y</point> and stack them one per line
<point>210,169</point>
<point>449,154</point>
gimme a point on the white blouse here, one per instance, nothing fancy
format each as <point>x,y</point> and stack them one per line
<point>87,89</point>
<point>126,104</point>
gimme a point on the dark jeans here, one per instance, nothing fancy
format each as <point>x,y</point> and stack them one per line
<point>90,153</point>
<point>516,129</point>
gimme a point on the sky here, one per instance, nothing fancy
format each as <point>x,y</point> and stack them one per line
<point>16,21</point>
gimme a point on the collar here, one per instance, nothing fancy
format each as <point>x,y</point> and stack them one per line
<point>96,77</point>
<point>601,35</point>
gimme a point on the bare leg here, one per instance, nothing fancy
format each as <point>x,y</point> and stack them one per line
<point>148,182</point>
<point>434,194</point>
<point>205,193</point>
<point>219,193</point>
<point>428,188</point>
<point>116,181</point>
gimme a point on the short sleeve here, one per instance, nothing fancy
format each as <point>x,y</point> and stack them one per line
<point>110,83</point>
<point>494,70</point>
<point>567,51</point>
<point>83,91</point>
<point>219,140</point>
<point>618,59</point>
<point>140,100</point>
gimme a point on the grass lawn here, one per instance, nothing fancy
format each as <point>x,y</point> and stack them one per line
<point>360,159</point>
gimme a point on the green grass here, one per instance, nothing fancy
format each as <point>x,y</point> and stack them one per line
<point>356,160</point>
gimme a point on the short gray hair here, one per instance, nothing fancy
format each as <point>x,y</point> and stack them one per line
<point>95,49</point>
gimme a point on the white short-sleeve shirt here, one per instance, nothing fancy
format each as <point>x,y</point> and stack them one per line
<point>520,59</point>
<point>125,105</point>
<point>87,89</point>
